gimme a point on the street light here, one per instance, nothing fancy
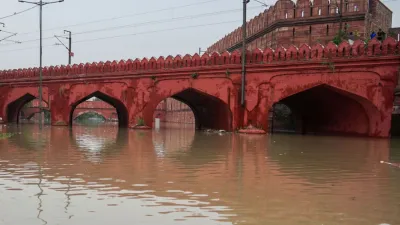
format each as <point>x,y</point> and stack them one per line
<point>40,4</point>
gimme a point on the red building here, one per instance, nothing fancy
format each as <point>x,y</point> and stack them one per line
<point>319,21</point>
<point>174,111</point>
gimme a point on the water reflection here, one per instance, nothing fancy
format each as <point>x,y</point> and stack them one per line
<point>105,175</point>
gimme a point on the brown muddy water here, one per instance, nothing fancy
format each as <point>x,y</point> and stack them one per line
<point>102,176</point>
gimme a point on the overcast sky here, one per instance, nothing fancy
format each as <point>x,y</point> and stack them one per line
<point>150,33</point>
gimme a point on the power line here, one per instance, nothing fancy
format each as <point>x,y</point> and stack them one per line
<point>133,34</point>
<point>126,16</point>
<point>146,23</point>
<point>162,21</point>
<point>17,13</point>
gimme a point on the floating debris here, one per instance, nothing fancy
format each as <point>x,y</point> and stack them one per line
<point>391,164</point>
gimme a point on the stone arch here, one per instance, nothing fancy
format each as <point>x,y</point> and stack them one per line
<point>14,107</point>
<point>113,101</point>
<point>322,108</point>
<point>210,106</point>
<point>89,111</point>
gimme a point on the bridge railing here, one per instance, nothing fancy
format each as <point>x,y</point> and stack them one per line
<point>358,49</point>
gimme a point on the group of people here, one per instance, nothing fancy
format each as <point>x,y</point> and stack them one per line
<point>381,35</point>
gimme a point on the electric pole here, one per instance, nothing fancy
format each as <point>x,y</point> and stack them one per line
<point>244,32</point>
<point>70,45</point>
<point>40,3</point>
<point>69,49</point>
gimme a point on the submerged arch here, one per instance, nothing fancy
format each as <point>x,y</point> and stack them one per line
<point>122,111</point>
<point>324,109</point>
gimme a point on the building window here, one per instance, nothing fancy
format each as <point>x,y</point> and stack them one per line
<point>293,31</point>
<point>286,16</point>
<point>355,8</point>
<point>327,29</point>
<point>337,10</point>
<point>302,13</point>
<point>310,30</point>
<point>319,12</point>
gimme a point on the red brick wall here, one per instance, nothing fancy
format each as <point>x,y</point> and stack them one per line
<point>173,111</point>
<point>282,21</point>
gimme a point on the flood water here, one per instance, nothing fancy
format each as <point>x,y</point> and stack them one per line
<point>102,175</point>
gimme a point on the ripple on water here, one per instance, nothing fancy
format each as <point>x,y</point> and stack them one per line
<point>180,176</point>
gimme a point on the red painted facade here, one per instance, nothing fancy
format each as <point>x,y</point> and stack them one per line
<point>345,89</point>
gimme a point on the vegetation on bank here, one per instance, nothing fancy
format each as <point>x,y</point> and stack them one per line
<point>5,135</point>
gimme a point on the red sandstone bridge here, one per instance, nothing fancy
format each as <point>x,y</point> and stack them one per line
<point>346,89</point>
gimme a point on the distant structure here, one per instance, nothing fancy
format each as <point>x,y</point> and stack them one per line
<point>174,111</point>
<point>319,21</point>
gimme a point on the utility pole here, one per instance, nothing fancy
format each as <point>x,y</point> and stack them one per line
<point>70,45</point>
<point>69,49</point>
<point>244,32</point>
<point>40,3</point>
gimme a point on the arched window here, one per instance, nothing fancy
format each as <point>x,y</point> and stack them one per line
<point>337,10</point>
<point>302,13</point>
<point>319,11</point>
<point>355,8</point>
<point>286,16</point>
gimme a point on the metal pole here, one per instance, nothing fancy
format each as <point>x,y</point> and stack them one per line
<point>40,67</point>
<point>70,46</point>
<point>244,32</point>
<point>40,4</point>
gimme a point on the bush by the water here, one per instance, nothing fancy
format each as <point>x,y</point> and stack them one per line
<point>5,135</point>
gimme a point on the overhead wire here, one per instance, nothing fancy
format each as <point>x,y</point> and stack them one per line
<point>132,34</point>
<point>125,16</point>
<point>143,23</point>
<point>17,13</point>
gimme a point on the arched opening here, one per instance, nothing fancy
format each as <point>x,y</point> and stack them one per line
<point>320,110</point>
<point>90,117</point>
<point>99,109</point>
<point>27,110</point>
<point>192,108</point>
<point>281,119</point>
<point>172,113</point>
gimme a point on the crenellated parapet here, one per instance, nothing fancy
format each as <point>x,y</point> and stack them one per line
<point>292,22</point>
<point>317,52</point>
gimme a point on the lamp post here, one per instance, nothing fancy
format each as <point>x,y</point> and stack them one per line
<point>40,4</point>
